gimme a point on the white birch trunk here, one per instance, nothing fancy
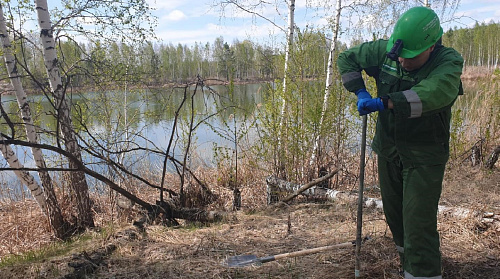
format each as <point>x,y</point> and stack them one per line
<point>329,75</point>
<point>49,205</point>
<point>479,56</point>
<point>77,179</point>
<point>25,177</point>
<point>22,99</point>
<point>496,61</point>
<point>290,34</point>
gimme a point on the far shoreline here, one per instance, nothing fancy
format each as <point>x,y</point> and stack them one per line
<point>7,90</point>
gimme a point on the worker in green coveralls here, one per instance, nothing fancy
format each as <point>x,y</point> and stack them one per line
<point>418,81</point>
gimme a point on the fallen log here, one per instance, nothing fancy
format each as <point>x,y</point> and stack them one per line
<point>280,186</point>
<point>274,183</point>
<point>168,212</point>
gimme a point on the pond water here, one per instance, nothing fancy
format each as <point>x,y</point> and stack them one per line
<point>146,118</point>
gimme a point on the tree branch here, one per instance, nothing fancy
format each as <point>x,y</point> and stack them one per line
<point>233,2</point>
<point>81,167</point>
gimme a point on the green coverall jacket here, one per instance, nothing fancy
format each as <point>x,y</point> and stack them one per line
<point>416,131</point>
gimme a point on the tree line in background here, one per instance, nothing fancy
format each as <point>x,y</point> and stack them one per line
<point>161,63</point>
<point>479,46</point>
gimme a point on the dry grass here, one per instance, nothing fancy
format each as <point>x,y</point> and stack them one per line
<point>475,72</point>
<point>476,117</point>
<point>19,223</point>
<point>197,251</point>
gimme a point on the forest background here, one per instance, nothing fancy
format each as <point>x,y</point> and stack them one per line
<point>158,64</point>
<point>302,130</point>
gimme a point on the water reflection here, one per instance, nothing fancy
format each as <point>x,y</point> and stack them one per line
<point>118,120</point>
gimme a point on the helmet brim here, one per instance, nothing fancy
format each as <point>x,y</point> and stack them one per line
<point>408,53</point>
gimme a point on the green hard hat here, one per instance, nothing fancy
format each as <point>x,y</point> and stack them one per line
<point>419,29</point>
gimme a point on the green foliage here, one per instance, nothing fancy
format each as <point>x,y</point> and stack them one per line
<point>268,113</point>
<point>108,62</point>
<point>15,119</point>
<point>311,53</point>
<point>142,61</point>
<point>479,46</point>
<point>234,128</point>
<point>457,144</point>
<point>304,96</point>
<point>476,117</point>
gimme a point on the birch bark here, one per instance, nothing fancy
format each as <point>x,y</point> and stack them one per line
<point>329,80</point>
<point>77,179</point>
<point>45,196</point>
<point>290,34</point>
<point>25,177</point>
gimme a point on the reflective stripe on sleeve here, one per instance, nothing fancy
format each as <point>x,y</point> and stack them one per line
<point>409,276</point>
<point>350,76</point>
<point>400,249</point>
<point>415,103</point>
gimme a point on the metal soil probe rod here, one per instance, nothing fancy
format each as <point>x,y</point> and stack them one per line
<point>359,218</point>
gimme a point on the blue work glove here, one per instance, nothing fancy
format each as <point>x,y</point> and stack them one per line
<point>366,106</point>
<point>363,94</point>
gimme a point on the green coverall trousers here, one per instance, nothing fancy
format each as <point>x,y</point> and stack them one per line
<point>410,196</point>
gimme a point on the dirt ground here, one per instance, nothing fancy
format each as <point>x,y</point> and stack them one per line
<point>470,249</point>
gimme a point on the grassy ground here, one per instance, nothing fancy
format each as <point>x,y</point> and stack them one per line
<point>470,248</point>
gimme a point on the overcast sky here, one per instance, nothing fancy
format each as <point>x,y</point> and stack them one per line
<point>189,21</point>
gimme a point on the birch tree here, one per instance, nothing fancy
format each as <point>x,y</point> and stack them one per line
<point>45,196</point>
<point>329,80</point>
<point>24,176</point>
<point>77,179</point>
<point>91,145</point>
<point>288,53</point>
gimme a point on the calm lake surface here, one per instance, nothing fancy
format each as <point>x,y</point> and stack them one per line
<point>146,118</point>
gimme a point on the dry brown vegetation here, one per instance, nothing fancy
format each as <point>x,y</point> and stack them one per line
<point>474,73</point>
<point>470,249</point>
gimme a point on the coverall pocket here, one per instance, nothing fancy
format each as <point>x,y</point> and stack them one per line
<point>387,78</point>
